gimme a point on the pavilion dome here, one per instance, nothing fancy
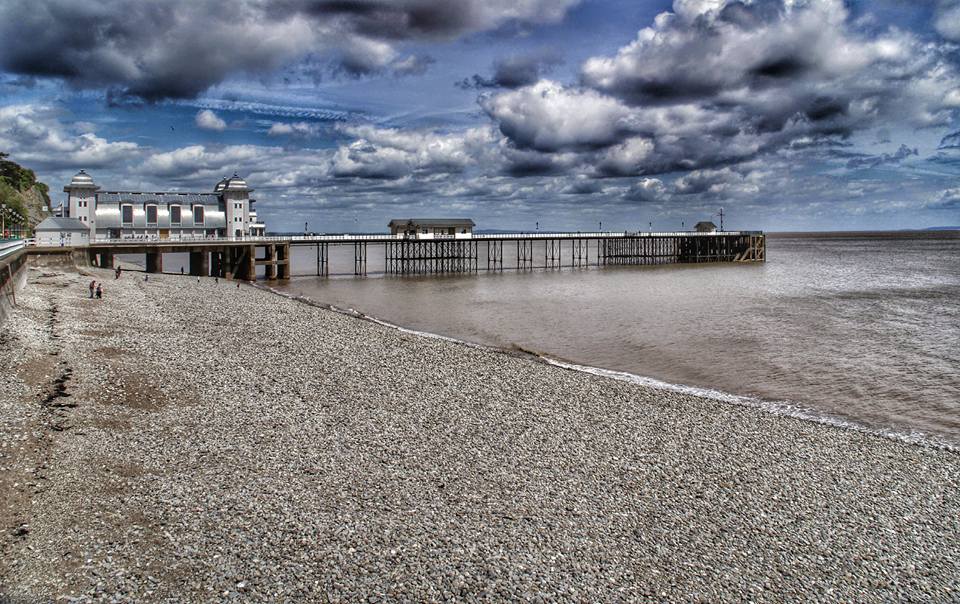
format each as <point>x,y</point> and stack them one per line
<point>235,183</point>
<point>221,185</point>
<point>82,180</point>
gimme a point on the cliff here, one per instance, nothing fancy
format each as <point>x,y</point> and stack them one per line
<point>20,189</point>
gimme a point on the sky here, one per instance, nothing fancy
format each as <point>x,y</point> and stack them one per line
<point>520,114</point>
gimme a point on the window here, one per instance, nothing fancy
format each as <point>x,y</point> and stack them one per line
<point>126,215</point>
<point>198,215</point>
<point>151,215</point>
<point>175,215</point>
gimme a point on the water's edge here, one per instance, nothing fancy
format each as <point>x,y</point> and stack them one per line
<point>780,408</point>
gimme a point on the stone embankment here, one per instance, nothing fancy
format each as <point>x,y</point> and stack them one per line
<point>196,442</point>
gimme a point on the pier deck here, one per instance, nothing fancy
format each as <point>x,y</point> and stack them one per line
<point>239,258</point>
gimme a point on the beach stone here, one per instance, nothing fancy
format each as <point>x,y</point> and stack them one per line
<point>236,444</point>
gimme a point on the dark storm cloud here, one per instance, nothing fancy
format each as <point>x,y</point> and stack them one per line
<point>515,71</point>
<point>177,49</point>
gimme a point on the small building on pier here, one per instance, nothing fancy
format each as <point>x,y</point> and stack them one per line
<point>432,228</point>
<point>705,226</point>
<point>56,231</point>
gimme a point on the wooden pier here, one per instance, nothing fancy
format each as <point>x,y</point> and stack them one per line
<point>240,258</point>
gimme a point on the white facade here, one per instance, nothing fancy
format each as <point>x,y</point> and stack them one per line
<point>82,200</point>
<point>62,232</point>
<point>226,212</point>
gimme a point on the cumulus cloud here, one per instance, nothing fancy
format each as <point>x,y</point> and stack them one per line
<point>583,186</point>
<point>389,153</point>
<point>873,161</point>
<point>719,82</point>
<point>550,117</point>
<point>34,135</point>
<point>947,19</point>
<point>196,161</point>
<point>208,120</point>
<point>715,182</point>
<point>647,190</point>
<point>947,200</point>
<point>950,141</point>
<point>180,48</point>
<point>628,158</point>
<point>292,129</point>
<point>515,71</point>
<point>780,61</point>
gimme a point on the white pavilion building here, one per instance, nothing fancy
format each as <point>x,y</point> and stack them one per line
<point>228,211</point>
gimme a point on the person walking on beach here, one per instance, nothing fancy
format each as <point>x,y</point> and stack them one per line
<point>117,276</point>
<point>99,290</point>
<point>93,286</point>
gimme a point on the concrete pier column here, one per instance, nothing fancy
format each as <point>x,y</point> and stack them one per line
<point>199,264</point>
<point>270,255</point>
<point>283,261</point>
<point>106,260</point>
<point>216,264</point>
<point>154,262</point>
<point>228,263</point>
<point>250,261</point>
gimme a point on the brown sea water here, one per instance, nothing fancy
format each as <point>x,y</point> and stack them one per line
<point>859,329</point>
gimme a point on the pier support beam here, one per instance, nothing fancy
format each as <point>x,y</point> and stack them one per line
<point>199,264</point>
<point>154,262</point>
<point>105,260</point>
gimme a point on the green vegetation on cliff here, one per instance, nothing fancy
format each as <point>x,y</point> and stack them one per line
<point>20,189</point>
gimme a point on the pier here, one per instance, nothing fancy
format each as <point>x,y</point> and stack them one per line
<point>239,258</point>
<point>225,258</point>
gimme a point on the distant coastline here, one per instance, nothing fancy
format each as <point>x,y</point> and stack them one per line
<point>929,233</point>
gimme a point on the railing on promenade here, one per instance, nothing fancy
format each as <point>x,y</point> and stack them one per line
<point>9,247</point>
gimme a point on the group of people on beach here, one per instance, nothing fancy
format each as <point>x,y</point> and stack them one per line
<point>96,289</point>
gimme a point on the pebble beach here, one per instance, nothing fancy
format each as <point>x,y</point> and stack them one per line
<point>185,441</point>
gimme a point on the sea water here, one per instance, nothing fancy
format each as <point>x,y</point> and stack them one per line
<point>858,330</point>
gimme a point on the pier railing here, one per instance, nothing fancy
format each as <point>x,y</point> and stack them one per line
<point>350,237</point>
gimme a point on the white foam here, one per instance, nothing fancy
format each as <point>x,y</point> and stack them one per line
<point>782,408</point>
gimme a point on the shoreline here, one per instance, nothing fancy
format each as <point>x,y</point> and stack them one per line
<point>795,410</point>
<point>199,441</point>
